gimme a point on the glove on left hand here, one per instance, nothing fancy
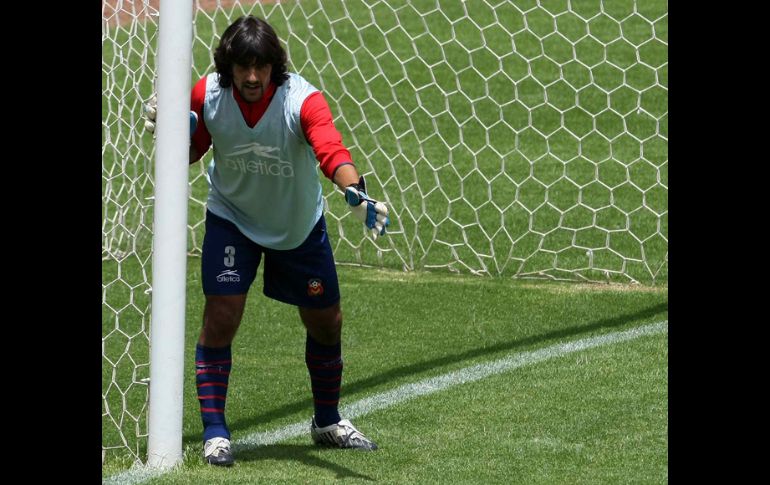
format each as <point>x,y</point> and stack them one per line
<point>372,213</point>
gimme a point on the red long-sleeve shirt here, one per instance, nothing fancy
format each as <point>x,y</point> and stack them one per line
<point>315,117</point>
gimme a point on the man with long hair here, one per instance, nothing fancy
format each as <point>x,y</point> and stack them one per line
<point>270,129</point>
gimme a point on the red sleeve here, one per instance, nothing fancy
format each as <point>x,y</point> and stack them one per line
<point>201,139</point>
<point>316,119</point>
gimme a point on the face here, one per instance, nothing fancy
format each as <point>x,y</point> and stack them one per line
<point>251,81</point>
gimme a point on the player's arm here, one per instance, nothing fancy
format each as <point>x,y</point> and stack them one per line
<point>200,139</point>
<point>337,165</point>
<point>345,175</point>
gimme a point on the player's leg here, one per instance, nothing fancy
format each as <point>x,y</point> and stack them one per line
<point>213,362</point>
<point>323,357</point>
<point>324,364</point>
<point>222,316</point>
<point>306,277</point>
<point>228,267</point>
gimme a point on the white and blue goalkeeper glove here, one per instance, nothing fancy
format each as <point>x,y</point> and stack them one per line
<point>151,112</point>
<point>373,214</point>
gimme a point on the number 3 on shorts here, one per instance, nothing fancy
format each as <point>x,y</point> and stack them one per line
<point>229,256</point>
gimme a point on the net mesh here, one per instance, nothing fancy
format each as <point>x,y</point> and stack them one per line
<point>508,138</point>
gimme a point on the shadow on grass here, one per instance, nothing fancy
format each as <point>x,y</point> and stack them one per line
<point>419,367</point>
<point>307,454</point>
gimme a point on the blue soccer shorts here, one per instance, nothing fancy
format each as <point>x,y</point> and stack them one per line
<point>304,276</point>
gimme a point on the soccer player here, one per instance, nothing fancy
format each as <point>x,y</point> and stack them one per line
<point>270,129</point>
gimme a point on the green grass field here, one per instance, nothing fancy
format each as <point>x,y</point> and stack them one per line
<point>520,141</point>
<point>595,416</point>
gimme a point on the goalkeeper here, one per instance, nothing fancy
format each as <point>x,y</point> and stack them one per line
<point>269,130</point>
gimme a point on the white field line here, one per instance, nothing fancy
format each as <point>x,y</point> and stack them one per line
<point>424,387</point>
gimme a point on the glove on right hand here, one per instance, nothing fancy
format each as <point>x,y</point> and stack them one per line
<point>151,112</point>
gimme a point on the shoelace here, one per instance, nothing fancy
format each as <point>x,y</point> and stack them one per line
<point>216,447</point>
<point>352,434</point>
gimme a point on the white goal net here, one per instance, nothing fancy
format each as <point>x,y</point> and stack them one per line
<point>510,138</point>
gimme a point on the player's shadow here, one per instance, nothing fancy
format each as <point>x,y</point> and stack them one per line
<point>357,386</point>
<point>307,454</point>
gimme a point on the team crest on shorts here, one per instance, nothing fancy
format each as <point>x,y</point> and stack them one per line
<point>315,287</point>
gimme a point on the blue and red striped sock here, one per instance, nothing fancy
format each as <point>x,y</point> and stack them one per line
<point>324,363</point>
<point>212,372</point>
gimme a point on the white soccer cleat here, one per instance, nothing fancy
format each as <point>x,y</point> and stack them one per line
<point>216,451</point>
<point>341,435</point>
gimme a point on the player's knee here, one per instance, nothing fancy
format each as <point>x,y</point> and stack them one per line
<point>222,315</point>
<point>325,325</point>
<point>333,325</point>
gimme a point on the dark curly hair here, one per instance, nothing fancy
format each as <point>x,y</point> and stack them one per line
<point>247,41</point>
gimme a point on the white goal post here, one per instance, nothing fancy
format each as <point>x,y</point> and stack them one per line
<point>169,257</point>
<point>510,138</point>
